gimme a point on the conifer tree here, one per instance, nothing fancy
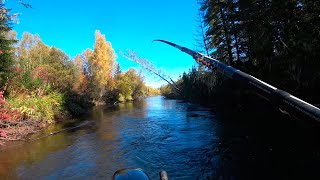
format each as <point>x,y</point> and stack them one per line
<point>6,54</point>
<point>276,41</point>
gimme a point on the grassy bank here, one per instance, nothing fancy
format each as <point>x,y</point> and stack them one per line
<point>25,114</point>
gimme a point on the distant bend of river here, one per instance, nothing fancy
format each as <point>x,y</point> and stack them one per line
<point>154,134</point>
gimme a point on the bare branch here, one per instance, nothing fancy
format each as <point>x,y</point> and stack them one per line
<point>132,56</point>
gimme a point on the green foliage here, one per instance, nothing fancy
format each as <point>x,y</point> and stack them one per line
<point>77,104</point>
<point>60,70</point>
<point>112,96</point>
<point>197,85</point>
<point>39,108</point>
<point>152,91</point>
<point>39,62</point>
<point>124,88</point>
<point>6,53</point>
<point>47,84</point>
<point>44,84</point>
<point>276,41</point>
<point>24,82</point>
<point>130,86</point>
<point>166,90</point>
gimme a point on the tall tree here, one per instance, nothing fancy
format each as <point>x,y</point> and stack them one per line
<point>201,38</point>
<point>6,54</point>
<point>86,56</point>
<point>60,70</point>
<point>37,61</point>
<point>102,65</point>
<point>217,16</point>
<point>277,41</point>
<point>81,82</point>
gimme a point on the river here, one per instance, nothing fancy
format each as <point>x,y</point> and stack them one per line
<point>186,140</point>
<point>154,134</point>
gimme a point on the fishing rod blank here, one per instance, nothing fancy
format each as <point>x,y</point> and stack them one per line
<point>285,101</point>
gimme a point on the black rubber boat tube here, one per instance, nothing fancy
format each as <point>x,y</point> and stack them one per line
<point>285,101</point>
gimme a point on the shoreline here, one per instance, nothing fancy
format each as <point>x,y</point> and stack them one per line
<point>26,129</point>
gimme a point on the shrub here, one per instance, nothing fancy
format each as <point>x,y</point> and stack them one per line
<point>77,104</point>
<point>39,108</point>
<point>7,115</point>
<point>6,112</point>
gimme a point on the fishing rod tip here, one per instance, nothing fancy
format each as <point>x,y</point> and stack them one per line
<point>156,40</point>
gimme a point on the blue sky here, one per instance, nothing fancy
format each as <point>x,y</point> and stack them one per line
<point>127,24</point>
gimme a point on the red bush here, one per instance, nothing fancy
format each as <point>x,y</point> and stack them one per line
<point>7,114</point>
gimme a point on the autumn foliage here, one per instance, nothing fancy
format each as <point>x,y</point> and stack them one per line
<point>43,84</point>
<point>8,116</point>
<point>101,66</point>
<point>46,84</point>
<point>6,113</point>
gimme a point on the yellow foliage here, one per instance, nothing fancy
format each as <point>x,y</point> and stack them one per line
<point>81,82</point>
<point>101,65</point>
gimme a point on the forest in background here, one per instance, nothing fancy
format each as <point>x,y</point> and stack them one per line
<point>41,84</point>
<point>276,41</point>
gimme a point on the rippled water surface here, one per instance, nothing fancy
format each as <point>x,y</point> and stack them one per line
<point>186,140</point>
<point>154,134</point>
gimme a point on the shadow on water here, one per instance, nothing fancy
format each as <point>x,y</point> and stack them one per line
<point>34,150</point>
<point>154,134</point>
<point>258,142</point>
<point>187,140</point>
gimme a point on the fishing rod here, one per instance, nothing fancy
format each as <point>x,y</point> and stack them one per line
<point>286,102</point>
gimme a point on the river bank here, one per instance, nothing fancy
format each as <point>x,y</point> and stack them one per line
<point>44,85</point>
<point>24,115</point>
<point>23,130</point>
<point>118,136</point>
<point>189,141</point>
<point>72,116</point>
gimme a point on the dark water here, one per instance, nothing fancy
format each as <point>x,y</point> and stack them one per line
<point>154,134</point>
<point>186,140</point>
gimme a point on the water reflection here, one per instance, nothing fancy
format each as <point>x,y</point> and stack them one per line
<point>31,152</point>
<point>155,134</point>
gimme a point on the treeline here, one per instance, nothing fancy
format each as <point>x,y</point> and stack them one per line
<point>39,72</point>
<point>100,77</point>
<point>276,41</point>
<point>40,84</point>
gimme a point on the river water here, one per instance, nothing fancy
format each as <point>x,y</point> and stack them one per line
<point>154,134</point>
<point>186,140</point>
